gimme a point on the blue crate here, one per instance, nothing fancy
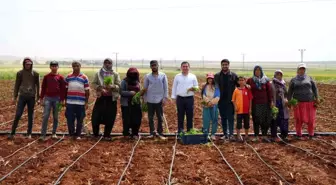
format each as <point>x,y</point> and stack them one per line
<point>194,139</point>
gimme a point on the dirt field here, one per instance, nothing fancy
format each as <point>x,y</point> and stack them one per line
<point>151,161</point>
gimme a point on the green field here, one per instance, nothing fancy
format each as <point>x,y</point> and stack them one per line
<point>324,76</point>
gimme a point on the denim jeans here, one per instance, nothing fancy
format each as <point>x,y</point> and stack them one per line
<point>210,114</point>
<point>22,102</point>
<point>50,103</point>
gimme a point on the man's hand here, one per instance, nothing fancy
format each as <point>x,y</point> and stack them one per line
<point>248,86</point>
<point>38,102</point>
<point>132,93</point>
<point>86,105</point>
<point>63,103</point>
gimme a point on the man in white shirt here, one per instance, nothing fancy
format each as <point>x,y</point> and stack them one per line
<point>184,86</point>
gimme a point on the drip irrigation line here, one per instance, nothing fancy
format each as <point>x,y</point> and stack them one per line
<point>324,141</point>
<point>305,150</point>
<point>172,162</point>
<point>20,149</point>
<point>129,161</point>
<point>165,120</point>
<point>232,169</point>
<point>27,160</point>
<point>61,176</point>
<point>269,166</point>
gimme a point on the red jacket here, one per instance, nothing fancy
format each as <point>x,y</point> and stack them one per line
<point>53,85</point>
<point>263,95</point>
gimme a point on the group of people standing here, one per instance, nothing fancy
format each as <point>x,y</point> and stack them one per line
<point>225,91</point>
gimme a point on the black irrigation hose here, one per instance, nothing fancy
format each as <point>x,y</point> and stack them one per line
<point>10,155</point>
<point>232,169</point>
<point>172,162</point>
<point>324,141</point>
<point>129,161</point>
<point>269,166</point>
<point>299,148</point>
<point>61,176</point>
<point>24,162</point>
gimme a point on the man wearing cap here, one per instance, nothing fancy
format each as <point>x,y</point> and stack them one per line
<point>227,81</point>
<point>106,82</point>
<point>184,86</point>
<point>156,95</point>
<point>304,90</point>
<point>52,97</point>
<point>27,88</point>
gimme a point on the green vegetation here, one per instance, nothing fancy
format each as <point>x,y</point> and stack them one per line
<point>320,75</point>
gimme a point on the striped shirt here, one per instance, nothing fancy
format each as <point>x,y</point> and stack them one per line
<point>76,86</point>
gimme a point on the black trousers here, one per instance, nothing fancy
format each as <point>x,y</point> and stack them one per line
<point>132,117</point>
<point>185,106</point>
<point>152,109</point>
<point>22,102</point>
<point>104,112</point>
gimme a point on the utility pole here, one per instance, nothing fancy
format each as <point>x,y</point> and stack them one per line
<point>243,61</point>
<point>142,63</point>
<point>116,53</point>
<point>161,63</point>
<point>203,62</point>
<point>131,63</point>
<point>301,51</point>
<point>175,62</point>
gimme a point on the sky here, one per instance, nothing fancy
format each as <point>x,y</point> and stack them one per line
<point>265,30</point>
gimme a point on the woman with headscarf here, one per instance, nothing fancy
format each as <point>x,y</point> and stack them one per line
<point>280,101</point>
<point>304,90</point>
<point>261,103</point>
<point>106,82</point>
<point>131,112</point>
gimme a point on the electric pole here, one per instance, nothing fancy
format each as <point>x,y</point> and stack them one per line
<point>203,61</point>
<point>116,53</point>
<point>243,54</point>
<point>301,51</point>
<point>142,63</point>
<point>161,63</point>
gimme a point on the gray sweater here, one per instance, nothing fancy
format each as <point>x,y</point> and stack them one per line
<point>303,90</point>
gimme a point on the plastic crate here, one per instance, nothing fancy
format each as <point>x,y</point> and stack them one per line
<point>194,139</point>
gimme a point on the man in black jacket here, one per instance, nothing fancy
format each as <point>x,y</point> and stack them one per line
<point>227,81</point>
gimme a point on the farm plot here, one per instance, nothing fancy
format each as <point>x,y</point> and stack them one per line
<point>91,161</point>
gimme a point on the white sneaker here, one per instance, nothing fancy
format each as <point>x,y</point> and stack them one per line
<point>54,136</point>
<point>213,138</point>
<point>29,136</point>
<point>78,138</point>
<point>162,137</point>
<point>150,136</point>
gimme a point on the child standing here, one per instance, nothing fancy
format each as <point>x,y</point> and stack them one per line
<point>242,101</point>
<point>210,95</point>
<point>52,96</point>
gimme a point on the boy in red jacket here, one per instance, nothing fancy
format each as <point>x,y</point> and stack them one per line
<point>52,96</point>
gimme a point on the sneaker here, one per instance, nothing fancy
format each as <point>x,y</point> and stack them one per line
<point>255,139</point>
<point>266,140</point>
<point>10,137</point>
<point>108,138</point>
<point>54,136</point>
<point>78,138</point>
<point>213,137</point>
<point>224,138</point>
<point>42,138</point>
<point>29,136</point>
<point>162,137</point>
<point>232,138</point>
<point>246,139</point>
<point>150,137</point>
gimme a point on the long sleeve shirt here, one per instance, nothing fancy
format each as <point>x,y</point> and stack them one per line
<point>263,95</point>
<point>304,91</point>
<point>27,83</point>
<point>53,85</point>
<point>157,87</point>
<point>182,83</point>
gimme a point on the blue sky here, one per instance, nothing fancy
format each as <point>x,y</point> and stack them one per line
<point>182,29</point>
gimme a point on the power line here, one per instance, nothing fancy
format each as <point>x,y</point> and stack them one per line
<point>171,7</point>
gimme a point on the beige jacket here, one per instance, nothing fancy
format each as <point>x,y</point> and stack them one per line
<point>98,85</point>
